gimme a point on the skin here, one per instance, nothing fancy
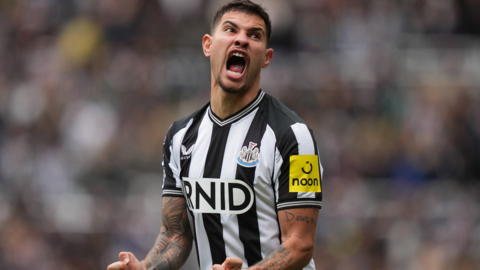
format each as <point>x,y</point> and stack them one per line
<point>244,33</point>
<point>173,244</point>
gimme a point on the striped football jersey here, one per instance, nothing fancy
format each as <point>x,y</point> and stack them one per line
<point>236,174</point>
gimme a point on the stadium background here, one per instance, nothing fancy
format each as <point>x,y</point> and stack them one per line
<point>391,89</point>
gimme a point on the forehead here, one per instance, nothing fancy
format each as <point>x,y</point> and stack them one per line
<point>244,19</point>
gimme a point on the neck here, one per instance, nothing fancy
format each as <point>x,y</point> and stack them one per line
<point>224,104</point>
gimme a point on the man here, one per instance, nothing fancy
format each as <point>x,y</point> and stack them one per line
<point>241,175</point>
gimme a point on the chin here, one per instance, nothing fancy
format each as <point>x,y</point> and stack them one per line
<point>232,90</point>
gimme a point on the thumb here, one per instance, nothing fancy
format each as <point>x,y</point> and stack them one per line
<point>126,257</point>
<point>217,267</point>
<point>232,263</point>
<point>129,260</point>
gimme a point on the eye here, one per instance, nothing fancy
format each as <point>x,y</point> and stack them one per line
<point>255,36</point>
<point>229,30</point>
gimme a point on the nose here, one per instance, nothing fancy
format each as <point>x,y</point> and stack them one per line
<point>241,40</point>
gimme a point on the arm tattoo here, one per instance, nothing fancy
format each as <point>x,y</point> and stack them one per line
<point>282,258</point>
<point>305,219</point>
<point>278,259</point>
<point>174,242</point>
<point>289,215</point>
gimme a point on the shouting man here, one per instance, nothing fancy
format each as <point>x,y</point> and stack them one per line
<point>242,176</point>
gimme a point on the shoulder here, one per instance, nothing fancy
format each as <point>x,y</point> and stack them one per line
<point>183,122</point>
<point>279,117</point>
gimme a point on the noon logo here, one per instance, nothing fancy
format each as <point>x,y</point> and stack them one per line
<point>304,174</point>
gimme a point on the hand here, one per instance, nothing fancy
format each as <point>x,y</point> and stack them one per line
<point>229,264</point>
<point>127,261</point>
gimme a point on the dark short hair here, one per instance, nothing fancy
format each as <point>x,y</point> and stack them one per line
<point>246,6</point>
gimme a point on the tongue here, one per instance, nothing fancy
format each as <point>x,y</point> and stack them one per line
<point>236,68</point>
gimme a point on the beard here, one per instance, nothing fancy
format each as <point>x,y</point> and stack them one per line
<point>232,90</point>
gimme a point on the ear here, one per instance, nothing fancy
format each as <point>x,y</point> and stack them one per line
<point>268,57</point>
<point>206,44</point>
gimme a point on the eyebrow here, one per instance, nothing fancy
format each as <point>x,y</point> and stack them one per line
<point>253,29</point>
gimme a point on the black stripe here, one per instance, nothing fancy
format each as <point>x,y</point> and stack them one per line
<point>169,179</point>
<point>287,146</point>
<point>248,222</point>
<point>213,169</point>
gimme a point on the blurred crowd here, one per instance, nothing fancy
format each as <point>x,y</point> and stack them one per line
<point>88,89</point>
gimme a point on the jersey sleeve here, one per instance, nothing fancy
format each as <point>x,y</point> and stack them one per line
<point>171,180</point>
<point>298,177</point>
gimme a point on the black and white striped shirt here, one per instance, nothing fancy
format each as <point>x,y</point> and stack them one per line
<point>237,173</point>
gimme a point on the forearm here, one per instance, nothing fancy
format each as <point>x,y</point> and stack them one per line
<point>174,242</point>
<point>285,257</point>
<point>170,251</point>
<point>298,241</point>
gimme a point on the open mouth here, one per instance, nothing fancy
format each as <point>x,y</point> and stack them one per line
<point>236,64</point>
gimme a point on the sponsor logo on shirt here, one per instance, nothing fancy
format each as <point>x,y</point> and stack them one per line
<point>248,157</point>
<point>186,154</point>
<point>304,174</point>
<point>218,196</point>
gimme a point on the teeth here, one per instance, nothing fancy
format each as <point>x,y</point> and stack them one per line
<point>237,54</point>
<point>234,73</point>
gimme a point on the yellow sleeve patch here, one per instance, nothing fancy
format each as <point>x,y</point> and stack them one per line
<point>304,174</point>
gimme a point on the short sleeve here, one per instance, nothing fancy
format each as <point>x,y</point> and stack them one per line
<point>299,180</point>
<point>171,185</point>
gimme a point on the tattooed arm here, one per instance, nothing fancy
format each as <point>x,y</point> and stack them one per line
<point>298,228</point>
<point>174,242</point>
<point>172,246</point>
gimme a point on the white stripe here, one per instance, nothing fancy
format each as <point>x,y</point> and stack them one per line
<point>305,147</point>
<point>236,136</point>
<point>199,155</point>
<point>172,192</point>
<point>304,139</point>
<point>299,203</point>
<point>204,252</point>
<point>175,153</point>
<point>305,142</point>
<point>293,203</point>
<point>310,266</point>
<point>197,165</point>
<point>240,115</point>
<point>267,216</point>
<point>277,171</point>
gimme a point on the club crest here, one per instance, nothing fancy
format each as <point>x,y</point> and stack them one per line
<point>248,157</point>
